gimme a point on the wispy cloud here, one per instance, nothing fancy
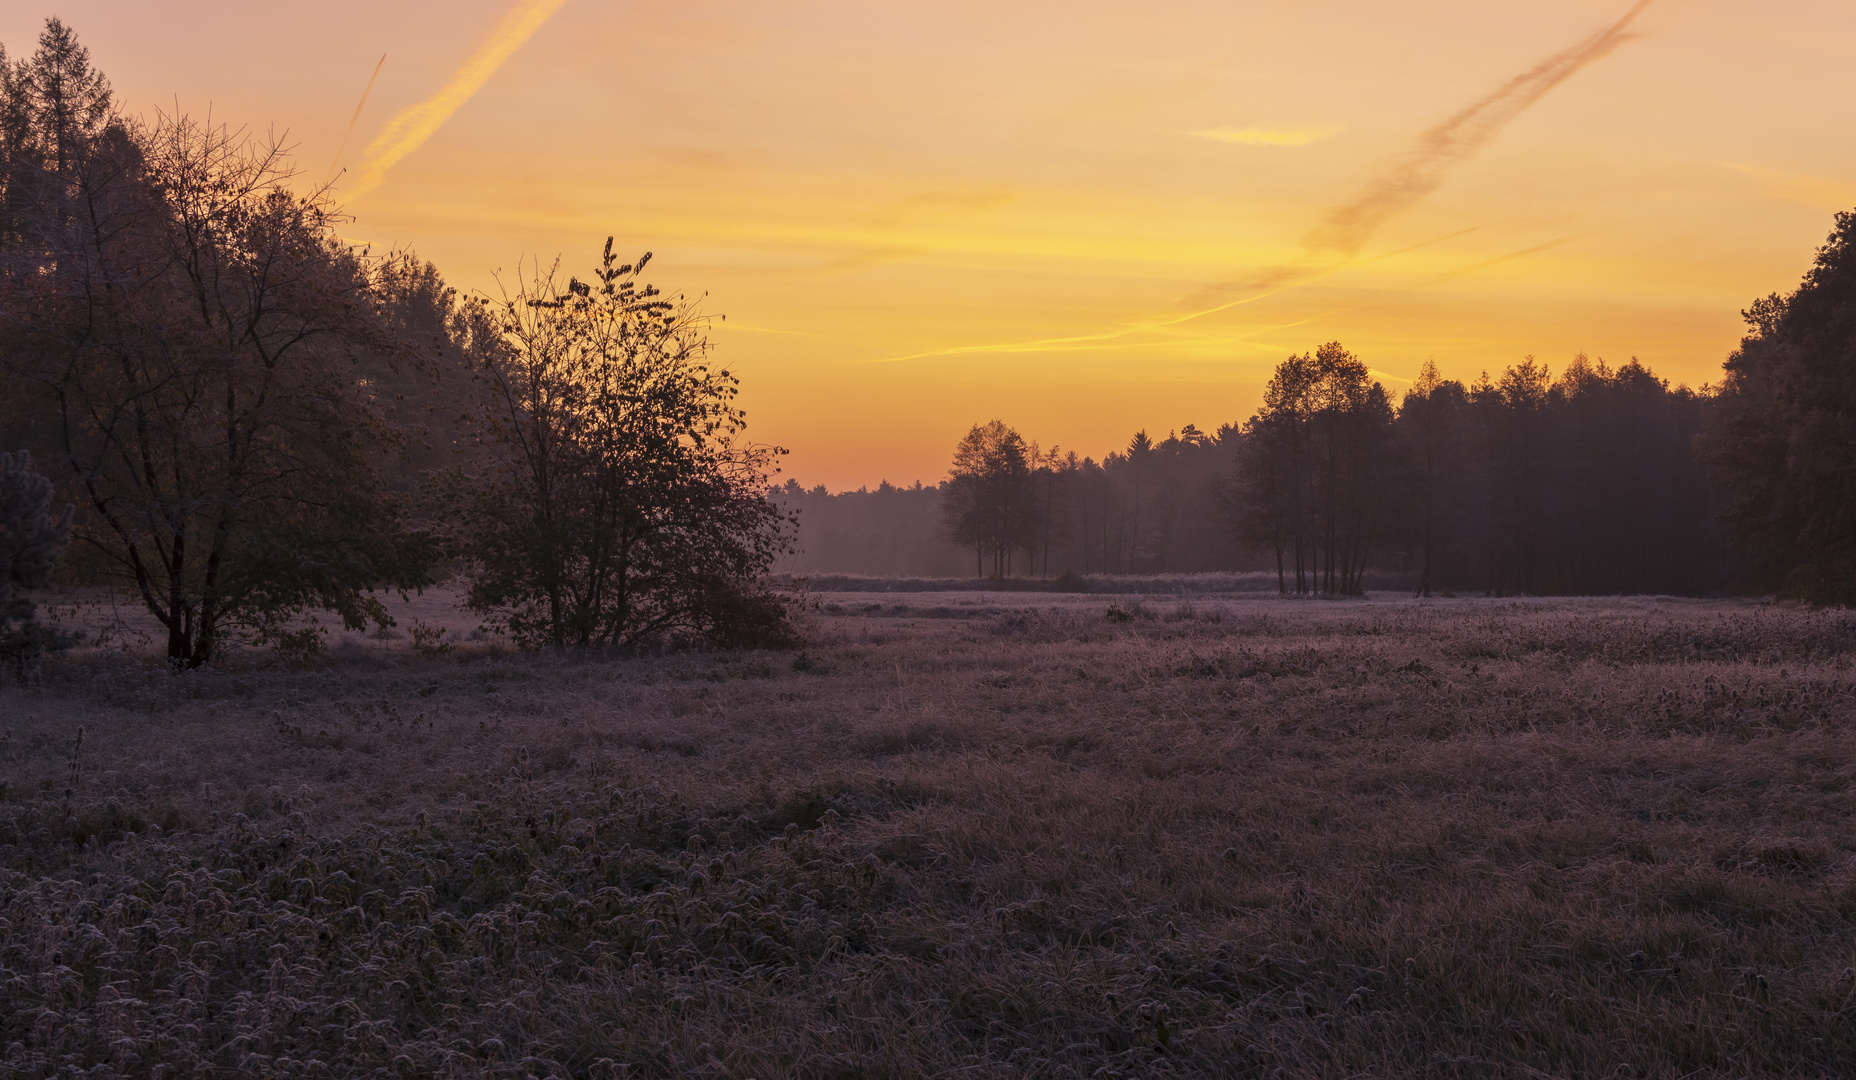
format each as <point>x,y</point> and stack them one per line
<point>1268,136</point>
<point>336,160</point>
<point>1818,191</point>
<point>1387,192</point>
<point>1510,257</point>
<point>409,130</point>
<point>1405,180</point>
<point>1161,333</point>
<point>865,258</point>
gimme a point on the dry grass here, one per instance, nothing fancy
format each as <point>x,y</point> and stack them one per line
<point>959,835</point>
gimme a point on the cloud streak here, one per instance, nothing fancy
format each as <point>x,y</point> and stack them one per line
<point>336,160</point>
<point>1823,192</point>
<point>1410,177</point>
<point>1423,169</point>
<point>1394,188</point>
<point>412,126</point>
<point>1500,259</point>
<point>1267,136</point>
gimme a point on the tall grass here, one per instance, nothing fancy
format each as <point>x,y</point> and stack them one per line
<point>958,836</point>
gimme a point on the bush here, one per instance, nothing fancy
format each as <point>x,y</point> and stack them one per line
<point>620,505</point>
<point>31,538</point>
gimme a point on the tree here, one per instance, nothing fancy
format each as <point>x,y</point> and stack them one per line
<point>55,109</point>
<point>1431,427</point>
<point>193,337</point>
<point>1054,474</point>
<point>31,539</point>
<point>1519,410</point>
<point>618,504</point>
<point>990,503</point>
<point>1782,441</point>
<point>1311,485</point>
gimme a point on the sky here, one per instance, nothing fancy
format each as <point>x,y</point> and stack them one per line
<point>1083,218</point>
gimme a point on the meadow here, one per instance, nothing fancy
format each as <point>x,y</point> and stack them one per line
<point>958,834</point>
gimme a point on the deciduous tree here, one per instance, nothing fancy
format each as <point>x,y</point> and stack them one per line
<point>619,503</point>
<point>189,336</point>
<point>1782,442</point>
<point>990,504</point>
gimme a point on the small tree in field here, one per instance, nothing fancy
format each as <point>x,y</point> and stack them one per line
<point>990,504</point>
<point>31,538</point>
<point>618,503</point>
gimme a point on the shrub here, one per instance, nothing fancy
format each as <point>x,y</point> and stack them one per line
<point>31,539</point>
<point>620,505</point>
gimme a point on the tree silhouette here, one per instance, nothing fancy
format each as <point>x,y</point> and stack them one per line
<point>1782,442</point>
<point>1312,486</point>
<point>187,335</point>
<point>989,504</point>
<point>1433,442</point>
<point>618,504</point>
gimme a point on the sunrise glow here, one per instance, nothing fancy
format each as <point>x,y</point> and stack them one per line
<point>1084,218</point>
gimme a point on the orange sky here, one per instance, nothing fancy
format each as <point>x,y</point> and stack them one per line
<point>917,216</point>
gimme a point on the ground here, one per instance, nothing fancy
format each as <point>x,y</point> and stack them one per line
<point>958,834</point>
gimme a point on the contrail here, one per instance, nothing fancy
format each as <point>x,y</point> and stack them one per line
<point>1449,144</point>
<point>1510,257</point>
<point>1421,170</point>
<point>1396,188</point>
<point>355,118</point>
<point>408,130</point>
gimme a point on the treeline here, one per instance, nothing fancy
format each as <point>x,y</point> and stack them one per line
<point>1152,507</point>
<point>1597,480</point>
<point>256,421</point>
<point>1524,483</point>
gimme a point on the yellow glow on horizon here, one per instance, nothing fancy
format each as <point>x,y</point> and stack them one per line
<point>1079,217</point>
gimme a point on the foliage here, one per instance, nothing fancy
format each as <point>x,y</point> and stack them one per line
<point>1782,444</point>
<point>990,504</point>
<point>1584,483</point>
<point>31,539</point>
<point>190,337</point>
<point>1579,481</point>
<point>618,503</point>
<point>1312,484</point>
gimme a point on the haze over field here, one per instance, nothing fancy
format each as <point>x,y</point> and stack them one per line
<point>914,218</point>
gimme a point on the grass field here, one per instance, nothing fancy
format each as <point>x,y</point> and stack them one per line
<point>959,835</point>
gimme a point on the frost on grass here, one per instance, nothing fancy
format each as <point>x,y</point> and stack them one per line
<point>1224,837</point>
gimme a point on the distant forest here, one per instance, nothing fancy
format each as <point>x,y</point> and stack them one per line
<point>1594,480</point>
<point>1522,483</point>
<point>1156,507</point>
